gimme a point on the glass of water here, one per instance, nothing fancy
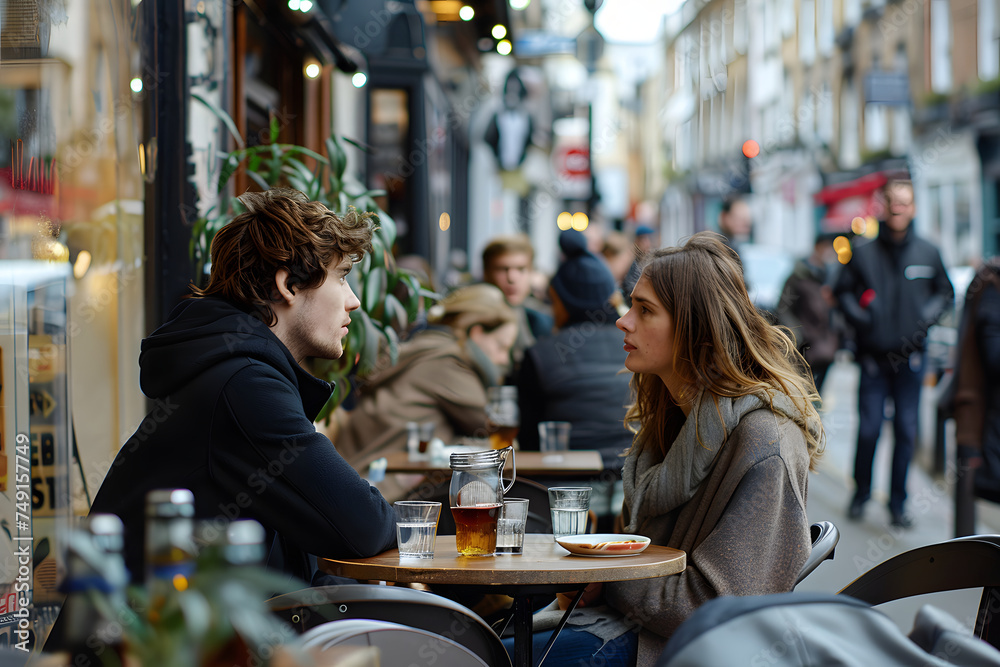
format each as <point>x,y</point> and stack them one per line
<point>416,527</point>
<point>510,527</point>
<point>569,506</point>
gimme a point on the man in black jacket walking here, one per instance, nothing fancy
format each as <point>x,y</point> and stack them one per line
<point>234,407</point>
<point>891,291</point>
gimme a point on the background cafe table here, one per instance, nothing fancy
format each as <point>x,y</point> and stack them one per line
<point>543,568</point>
<point>579,463</point>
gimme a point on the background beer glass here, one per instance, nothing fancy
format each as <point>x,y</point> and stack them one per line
<point>503,418</point>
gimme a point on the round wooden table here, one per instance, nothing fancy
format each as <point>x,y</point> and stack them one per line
<point>544,567</point>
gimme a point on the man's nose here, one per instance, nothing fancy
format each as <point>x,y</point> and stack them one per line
<point>352,303</point>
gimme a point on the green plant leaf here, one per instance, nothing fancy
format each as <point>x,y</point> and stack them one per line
<point>394,315</point>
<point>392,344</point>
<point>291,149</point>
<point>297,167</point>
<point>224,117</point>
<point>259,180</point>
<point>230,166</point>
<point>338,158</point>
<point>374,289</point>
<point>370,345</point>
<point>275,129</point>
<point>413,295</point>
<point>360,146</point>
<point>387,228</point>
<point>378,252</point>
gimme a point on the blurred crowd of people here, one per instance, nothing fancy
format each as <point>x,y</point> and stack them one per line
<point>554,338</point>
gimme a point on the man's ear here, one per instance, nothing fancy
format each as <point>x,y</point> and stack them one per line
<point>284,293</point>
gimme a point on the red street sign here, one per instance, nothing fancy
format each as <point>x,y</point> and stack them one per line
<point>575,162</point>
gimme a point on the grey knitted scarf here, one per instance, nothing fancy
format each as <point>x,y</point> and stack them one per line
<point>664,486</point>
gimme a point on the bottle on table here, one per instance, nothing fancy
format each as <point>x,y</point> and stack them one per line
<point>170,550</point>
<point>92,624</point>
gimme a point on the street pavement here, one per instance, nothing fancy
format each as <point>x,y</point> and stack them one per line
<point>865,543</point>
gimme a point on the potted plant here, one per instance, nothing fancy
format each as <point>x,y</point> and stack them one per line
<point>390,296</point>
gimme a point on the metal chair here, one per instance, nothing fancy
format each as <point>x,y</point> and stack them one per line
<point>386,644</point>
<point>970,562</point>
<point>310,607</point>
<point>825,536</point>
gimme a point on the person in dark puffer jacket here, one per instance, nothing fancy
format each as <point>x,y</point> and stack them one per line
<point>892,290</point>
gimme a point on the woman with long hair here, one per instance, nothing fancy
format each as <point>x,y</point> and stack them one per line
<point>725,434</point>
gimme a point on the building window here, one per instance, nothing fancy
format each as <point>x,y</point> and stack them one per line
<point>901,131</point>
<point>852,13</point>
<point>940,46</point>
<point>807,32</point>
<point>824,25</point>
<point>850,155</point>
<point>824,115</point>
<point>989,40</point>
<point>772,36</point>
<point>876,127</point>
<point>740,25</point>
<point>787,9</point>
<point>789,124</point>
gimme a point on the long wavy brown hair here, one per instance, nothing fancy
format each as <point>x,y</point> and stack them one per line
<point>281,229</point>
<point>722,344</point>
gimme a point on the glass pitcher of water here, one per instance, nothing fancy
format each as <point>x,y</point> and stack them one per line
<point>476,498</point>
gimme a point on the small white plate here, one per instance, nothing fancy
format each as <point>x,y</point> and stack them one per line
<point>604,544</point>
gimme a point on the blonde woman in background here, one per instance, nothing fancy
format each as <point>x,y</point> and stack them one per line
<point>441,376</point>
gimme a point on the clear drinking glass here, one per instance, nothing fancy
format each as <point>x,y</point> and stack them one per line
<point>510,526</point>
<point>569,506</point>
<point>416,527</point>
<point>554,436</point>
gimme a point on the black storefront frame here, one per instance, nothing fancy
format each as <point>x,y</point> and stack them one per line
<point>169,211</point>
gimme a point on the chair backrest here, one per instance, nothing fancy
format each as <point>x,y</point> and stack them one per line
<point>310,607</point>
<point>946,566</point>
<point>825,536</point>
<point>395,644</point>
<point>539,518</point>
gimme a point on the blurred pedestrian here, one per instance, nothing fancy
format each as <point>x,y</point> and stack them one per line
<point>726,435</point>
<point>643,244</point>
<point>617,253</point>
<point>441,376</point>
<point>576,374</point>
<point>808,308</point>
<point>893,289</point>
<point>977,383</point>
<point>735,222</point>
<point>507,264</point>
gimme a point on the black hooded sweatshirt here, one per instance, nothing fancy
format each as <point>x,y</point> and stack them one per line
<point>233,422</point>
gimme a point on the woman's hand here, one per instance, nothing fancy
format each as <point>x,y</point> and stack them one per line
<point>591,596</point>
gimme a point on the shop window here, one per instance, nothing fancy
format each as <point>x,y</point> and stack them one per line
<point>71,259</point>
<point>389,167</point>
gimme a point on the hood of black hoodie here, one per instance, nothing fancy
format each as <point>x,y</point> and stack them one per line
<point>202,333</point>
